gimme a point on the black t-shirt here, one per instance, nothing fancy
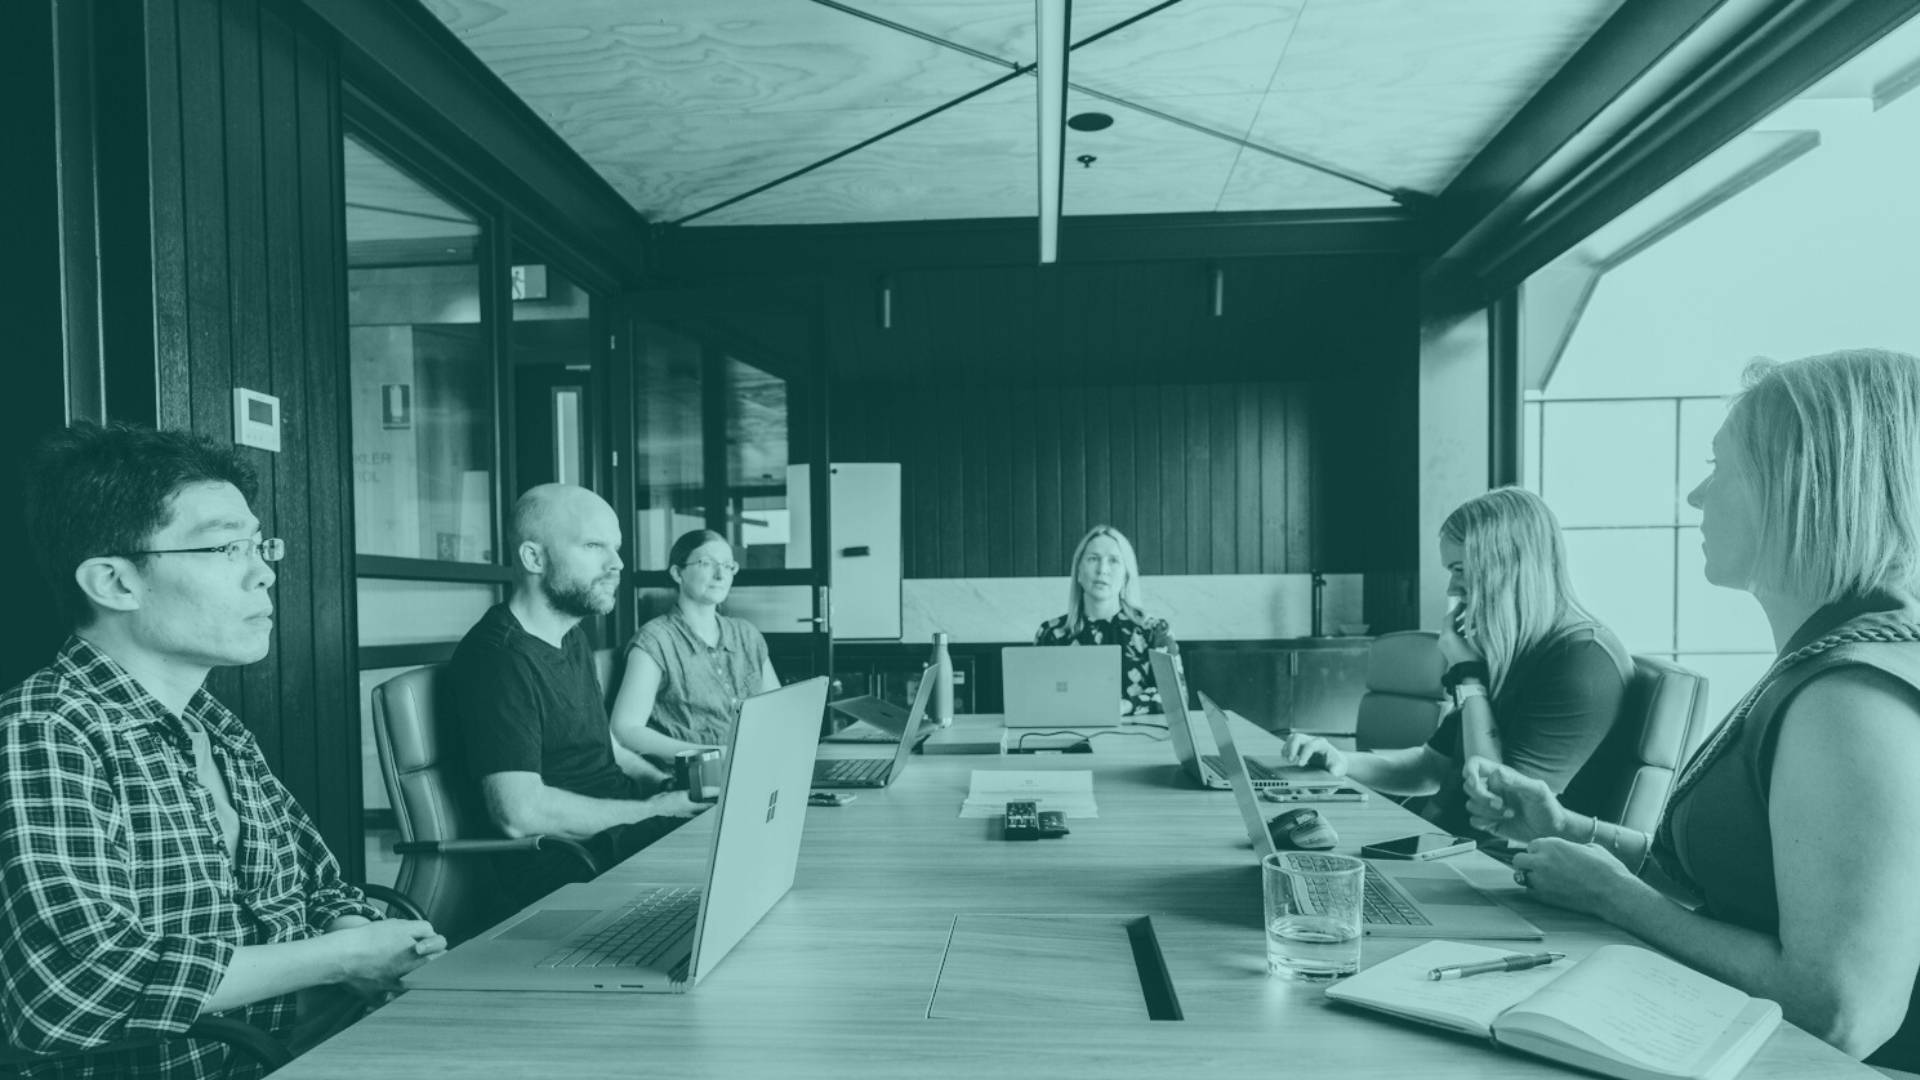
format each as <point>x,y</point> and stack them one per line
<point>1554,709</point>
<point>525,706</point>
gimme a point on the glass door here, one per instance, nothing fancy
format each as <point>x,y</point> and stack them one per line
<point>725,438</point>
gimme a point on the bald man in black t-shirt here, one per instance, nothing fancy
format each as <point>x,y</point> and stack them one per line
<point>533,716</point>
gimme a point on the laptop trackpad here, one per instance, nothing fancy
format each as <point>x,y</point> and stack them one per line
<point>548,925</point>
<point>1441,890</point>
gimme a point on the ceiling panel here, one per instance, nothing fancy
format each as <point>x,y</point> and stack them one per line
<point>974,160</point>
<point>1408,93</point>
<point>682,105</point>
<point>1200,47</point>
<point>1262,182</point>
<point>1003,28</point>
<point>569,58</point>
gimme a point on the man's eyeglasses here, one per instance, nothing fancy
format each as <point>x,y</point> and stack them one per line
<point>238,551</point>
<point>730,568</point>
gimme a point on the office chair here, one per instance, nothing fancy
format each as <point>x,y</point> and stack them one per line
<point>1403,702</point>
<point>1662,722</point>
<point>447,842</point>
<point>242,1039</point>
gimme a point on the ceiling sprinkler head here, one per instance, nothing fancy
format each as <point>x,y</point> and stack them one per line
<point>1086,160</point>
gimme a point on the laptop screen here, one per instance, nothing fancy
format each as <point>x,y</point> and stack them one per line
<point>763,806</point>
<point>1236,771</point>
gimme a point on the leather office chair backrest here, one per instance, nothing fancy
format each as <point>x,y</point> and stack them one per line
<point>432,801</point>
<point>1662,722</point>
<point>1403,702</point>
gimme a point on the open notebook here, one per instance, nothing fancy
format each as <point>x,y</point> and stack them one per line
<point>1623,1011</point>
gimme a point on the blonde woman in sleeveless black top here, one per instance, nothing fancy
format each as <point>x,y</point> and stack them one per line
<point>1787,862</point>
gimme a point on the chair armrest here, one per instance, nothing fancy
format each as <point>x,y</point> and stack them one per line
<point>498,846</point>
<point>263,1048</point>
<point>394,899</point>
<point>250,1041</point>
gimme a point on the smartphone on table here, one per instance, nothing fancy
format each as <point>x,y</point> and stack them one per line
<point>1420,847</point>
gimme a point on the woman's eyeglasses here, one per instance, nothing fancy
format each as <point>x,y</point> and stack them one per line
<point>728,568</point>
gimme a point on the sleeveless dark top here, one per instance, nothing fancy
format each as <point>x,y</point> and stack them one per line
<point>1715,836</point>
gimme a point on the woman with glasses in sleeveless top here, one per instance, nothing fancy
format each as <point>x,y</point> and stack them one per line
<point>1786,863</point>
<point>689,670</point>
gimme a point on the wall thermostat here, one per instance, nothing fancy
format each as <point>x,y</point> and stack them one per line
<point>256,419</point>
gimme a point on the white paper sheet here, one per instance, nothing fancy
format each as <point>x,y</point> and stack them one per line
<point>1069,791</point>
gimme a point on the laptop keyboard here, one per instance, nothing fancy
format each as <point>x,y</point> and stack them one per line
<point>1385,903</point>
<point>640,937</point>
<point>860,770</point>
<point>1256,772</point>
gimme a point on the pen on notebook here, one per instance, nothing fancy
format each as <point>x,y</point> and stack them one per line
<point>1511,963</point>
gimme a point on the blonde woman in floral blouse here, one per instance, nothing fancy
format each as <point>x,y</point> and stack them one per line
<point>1103,608</point>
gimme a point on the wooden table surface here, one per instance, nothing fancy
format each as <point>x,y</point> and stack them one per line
<point>837,981</point>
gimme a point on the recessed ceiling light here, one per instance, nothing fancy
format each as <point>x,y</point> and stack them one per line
<point>1090,121</point>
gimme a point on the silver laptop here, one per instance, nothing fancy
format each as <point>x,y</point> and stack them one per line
<point>1403,899</point>
<point>877,772</point>
<point>666,938</point>
<point>1205,769</point>
<point>1056,686</point>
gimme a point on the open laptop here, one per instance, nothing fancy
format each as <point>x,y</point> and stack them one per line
<point>876,772</point>
<point>1205,769</point>
<point>1403,899</point>
<point>1055,686</point>
<point>666,938</point>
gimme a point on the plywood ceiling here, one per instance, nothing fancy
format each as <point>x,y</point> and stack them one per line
<point>1218,104</point>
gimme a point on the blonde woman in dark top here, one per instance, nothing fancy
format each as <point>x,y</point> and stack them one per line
<point>1787,862</point>
<point>1536,681</point>
<point>688,671</point>
<point>1103,608</point>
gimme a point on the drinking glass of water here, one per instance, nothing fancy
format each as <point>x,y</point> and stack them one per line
<point>1313,914</point>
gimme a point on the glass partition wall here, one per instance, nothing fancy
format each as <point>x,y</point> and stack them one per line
<point>475,373</point>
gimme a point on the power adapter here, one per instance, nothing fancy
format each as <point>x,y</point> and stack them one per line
<point>1083,746</point>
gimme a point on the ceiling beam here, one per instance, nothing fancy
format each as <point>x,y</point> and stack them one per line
<point>1758,69</point>
<point>1626,47</point>
<point>1050,22</point>
<point>703,252</point>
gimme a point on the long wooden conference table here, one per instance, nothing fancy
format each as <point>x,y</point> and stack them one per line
<point>839,980</point>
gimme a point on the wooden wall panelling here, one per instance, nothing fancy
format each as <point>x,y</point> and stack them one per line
<point>1052,545</point>
<point>172,339</point>
<point>1174,486</point>
<point>1149,494</point>
<point>1199,479</point>
<point>1226,509</point>
<point>1023,486</point>
<point>243,155</point>
<point>35,402</point>
<point>336,690</point>
<point>1272,399</point>
<point>284,360</point>
<point>1097,407</point>
<point>246,314</point>
<point>1245,401</point>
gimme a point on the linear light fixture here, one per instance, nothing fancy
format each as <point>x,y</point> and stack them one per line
<point>1050,21</point>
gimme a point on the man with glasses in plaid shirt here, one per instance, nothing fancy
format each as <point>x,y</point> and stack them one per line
<point>154,869</point>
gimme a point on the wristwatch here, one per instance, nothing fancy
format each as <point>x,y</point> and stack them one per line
<point>1467,690</point>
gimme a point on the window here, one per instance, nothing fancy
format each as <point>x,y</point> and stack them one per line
<point>421,369</point>
<point>1789,240</point>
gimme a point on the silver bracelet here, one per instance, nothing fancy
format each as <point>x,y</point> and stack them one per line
<point>1593,834</point>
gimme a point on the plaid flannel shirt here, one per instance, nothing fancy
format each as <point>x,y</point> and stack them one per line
<point>123,906</point>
